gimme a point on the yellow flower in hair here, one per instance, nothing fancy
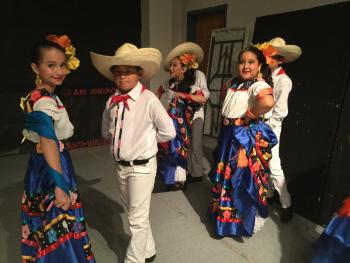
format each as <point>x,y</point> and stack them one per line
<point>268,50</point>
<point>262,46</point>
<point>72,63</point>
<point>70,50</point>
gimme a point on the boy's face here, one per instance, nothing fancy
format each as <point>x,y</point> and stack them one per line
<point>275,62</point>
<point>126,77</point>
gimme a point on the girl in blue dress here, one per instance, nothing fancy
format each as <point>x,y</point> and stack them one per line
<point>240,174</point>
<point>333,246</point>
<point>185,97</point>
<point>53,224</point>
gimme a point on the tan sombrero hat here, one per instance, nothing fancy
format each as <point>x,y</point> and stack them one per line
<point>289,52</point>
<point>187,47</point>
<point>149,59</point>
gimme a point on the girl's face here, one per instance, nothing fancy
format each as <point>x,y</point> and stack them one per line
<point>52,68</point>
<point>176,70</point>
<point>248,66</point>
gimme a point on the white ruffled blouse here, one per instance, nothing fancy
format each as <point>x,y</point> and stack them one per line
<point>53,107</point>
<point>238,100</point>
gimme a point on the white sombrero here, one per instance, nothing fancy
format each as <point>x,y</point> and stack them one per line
<point>184,48</point>
<point>149,59</point>
<point>289,52</point>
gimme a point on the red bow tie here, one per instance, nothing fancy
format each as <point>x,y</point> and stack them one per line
<point>120,98</point>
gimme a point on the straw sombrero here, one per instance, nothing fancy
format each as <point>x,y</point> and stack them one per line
<point>148,59</point>
<point>289,52</point>
<point>187,47</point>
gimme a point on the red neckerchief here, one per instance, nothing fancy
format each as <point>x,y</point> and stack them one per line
<point>120,98</point>
<point>123,98</point>
<point>280,72</point>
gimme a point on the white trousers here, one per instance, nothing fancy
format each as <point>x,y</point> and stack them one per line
<point>277,179</point>
<point>136,185</point>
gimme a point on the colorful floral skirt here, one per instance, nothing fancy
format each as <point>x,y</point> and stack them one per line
<point>333,246</point>
<point>240,176</point>
<point>55,235</point>
<point>176,151</point>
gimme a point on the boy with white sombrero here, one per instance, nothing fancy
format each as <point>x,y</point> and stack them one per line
<point>134,120</point>
<point>277,52</point>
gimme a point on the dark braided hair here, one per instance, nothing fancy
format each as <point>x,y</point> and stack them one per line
<point>44,44</point>
<point>265,70</point>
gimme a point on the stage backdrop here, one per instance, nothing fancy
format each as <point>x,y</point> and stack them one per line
<point>100,27</point>
<point>315,146</point>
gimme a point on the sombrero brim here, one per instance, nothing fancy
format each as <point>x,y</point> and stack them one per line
<point>289,52</point>
<point>188,47</point>
<point>149,60</point>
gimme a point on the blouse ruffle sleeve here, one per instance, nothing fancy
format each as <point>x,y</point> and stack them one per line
<point>259,89</point>
<point>55,109</point>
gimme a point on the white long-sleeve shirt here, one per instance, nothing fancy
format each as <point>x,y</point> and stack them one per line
<point>145,123</point>
<point>282,85</point>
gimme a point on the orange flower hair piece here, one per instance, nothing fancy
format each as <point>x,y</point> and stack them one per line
<point>268,50</point>
<point>345,209</point>
<point>64,41</point>
<point>189,61</point>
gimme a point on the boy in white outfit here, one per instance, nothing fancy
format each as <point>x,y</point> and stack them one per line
<point>277,52</point>
<point>134,120</point>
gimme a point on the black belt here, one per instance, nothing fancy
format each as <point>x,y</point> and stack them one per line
<point>131,163</point>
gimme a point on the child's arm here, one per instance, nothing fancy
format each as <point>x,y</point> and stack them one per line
<point>106,122</point>
<point>162,121</point>
<point>159,92</point>
<point>50,152</point>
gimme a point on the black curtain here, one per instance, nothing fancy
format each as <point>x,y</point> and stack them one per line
<point>315,147</point>
<point>100,27</point>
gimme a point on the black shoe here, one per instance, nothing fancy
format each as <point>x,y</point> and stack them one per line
<point>150,259</point>
<point>176,187</point>
<point>190,179</point>
<point>170,187</point>
<point>180,186</point>
<point>286,214</point>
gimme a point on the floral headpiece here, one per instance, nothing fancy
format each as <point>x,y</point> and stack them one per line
<point>268,50</point>
<point>189,61</point>
<point>64,41</point>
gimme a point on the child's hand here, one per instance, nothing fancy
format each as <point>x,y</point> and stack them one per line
<point>73,198</point>
<point>159,92</point>
<point>25,231</point>
<point>178,95</point>
<point>62,201</point>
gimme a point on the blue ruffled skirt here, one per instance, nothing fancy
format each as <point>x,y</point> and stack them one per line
<point>55,235</point>
<point>240,176</point>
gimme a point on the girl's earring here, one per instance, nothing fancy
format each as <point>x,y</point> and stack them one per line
<point>37,81</point>
<point>260,75</point>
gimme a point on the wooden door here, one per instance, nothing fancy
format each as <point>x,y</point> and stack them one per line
<point>200,24</point>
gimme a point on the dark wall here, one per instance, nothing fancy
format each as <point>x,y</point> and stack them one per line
<point>100,27</point>
<point>315,148</point>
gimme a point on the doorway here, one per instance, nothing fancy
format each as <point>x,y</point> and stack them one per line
<point>200,24</point>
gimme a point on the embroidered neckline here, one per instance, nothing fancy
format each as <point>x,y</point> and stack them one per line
<point>243,85</point>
